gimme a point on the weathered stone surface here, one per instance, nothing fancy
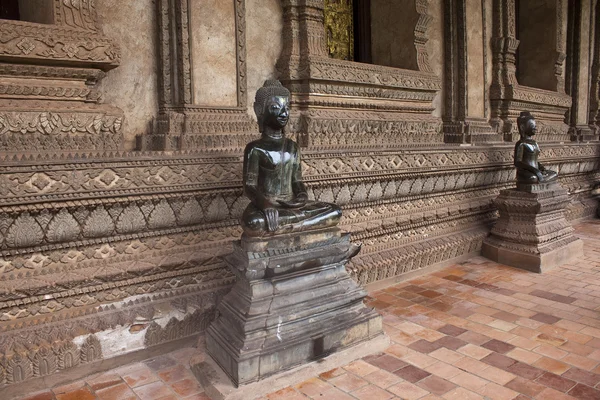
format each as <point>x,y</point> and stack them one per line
<point>130,87</point>
<point>532,232</point>
<point>293,302</point>
<point>218,385</point>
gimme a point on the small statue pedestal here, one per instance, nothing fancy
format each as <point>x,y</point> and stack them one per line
<point>532,232</point>
<point>293,302</point>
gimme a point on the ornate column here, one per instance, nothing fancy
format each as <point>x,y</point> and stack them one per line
<point>578,71</point>
<point>344,104</point>
<point>594,112</point>
<point>49,71</point>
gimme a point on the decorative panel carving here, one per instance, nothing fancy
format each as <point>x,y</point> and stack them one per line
<point>352,114</point>
<point>508,98</point>
<point>48,78</point>
<point>183,124</point>
<point>594,104</point>
<point>459,127</point>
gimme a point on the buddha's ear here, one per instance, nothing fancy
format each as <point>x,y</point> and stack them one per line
<point>259,113</point>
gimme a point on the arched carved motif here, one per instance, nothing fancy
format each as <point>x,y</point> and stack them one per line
<point>18,368</point>
<point>68,356</point>
<point>44,361</point>
<point>91,349</point>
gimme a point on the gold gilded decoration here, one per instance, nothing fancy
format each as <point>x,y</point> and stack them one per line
<point>340,29</point>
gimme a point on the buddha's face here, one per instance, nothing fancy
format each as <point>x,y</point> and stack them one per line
<point>530,127</point>
<point>276,112</point>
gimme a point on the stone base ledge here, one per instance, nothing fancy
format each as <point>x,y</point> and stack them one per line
<point>218,386</point>
<point>81,371</point>
<point>533,262</point>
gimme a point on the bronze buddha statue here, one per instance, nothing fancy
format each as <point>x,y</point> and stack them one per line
<point>273,177</point>
<point>527,151</point>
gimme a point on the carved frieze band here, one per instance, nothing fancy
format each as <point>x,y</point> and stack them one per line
<point>390,263</point>
<point>145,174</point>
<point>410,208</point>
<point>349,72</point>
<point>22,40</point>
<point>39,349</point>
<point>31,131</point>
<point>90,75</point>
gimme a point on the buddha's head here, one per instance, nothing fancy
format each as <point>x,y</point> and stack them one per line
<point>271,105</point>
<point>526,123</point>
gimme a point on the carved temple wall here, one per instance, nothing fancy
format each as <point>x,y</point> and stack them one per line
<point>120,163</point>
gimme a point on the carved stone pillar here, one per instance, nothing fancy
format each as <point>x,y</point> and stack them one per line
<point>508,97</point>
<point>344,104</point>
<point>191,117</point>
<point>578,70</point>
<point>466,107</point>
<point>594,115</point>
<point>49,70</point>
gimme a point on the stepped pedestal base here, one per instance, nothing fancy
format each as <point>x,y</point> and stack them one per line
<point>532,232</point>
<point>293,302</point>
<point>218,386</point>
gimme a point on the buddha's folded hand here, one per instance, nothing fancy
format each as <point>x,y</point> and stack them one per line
<point>272,217</point>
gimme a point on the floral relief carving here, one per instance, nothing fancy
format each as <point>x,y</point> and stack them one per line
<point>22,39</point>
<point>131,220</point>
<point>77,13</point>
<point>217,210</point>
<point>98,224</point>
<point>46,91</point>
<point>44,362</point>
<point>191,213</point>
<point>162,216</point>
<point>63,228</point>
<point>68,356</point>
<point>24,232</point>
<point>18,368</point>
<point>91,349</point>
<point>55,123</point>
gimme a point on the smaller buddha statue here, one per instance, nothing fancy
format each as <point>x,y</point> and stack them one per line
<point>527,151</point>
<point>273,177</point>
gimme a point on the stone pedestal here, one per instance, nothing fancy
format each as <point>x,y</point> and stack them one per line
<point>293,302</point>
<point>532,232</point>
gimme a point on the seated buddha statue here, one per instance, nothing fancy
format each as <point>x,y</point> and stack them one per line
<point>273,177</point>
<point>527,151</point>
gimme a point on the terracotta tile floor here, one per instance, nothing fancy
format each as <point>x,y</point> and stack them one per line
<point>477,330</point>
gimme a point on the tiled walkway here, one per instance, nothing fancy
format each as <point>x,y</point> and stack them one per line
<point>477,330</point>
